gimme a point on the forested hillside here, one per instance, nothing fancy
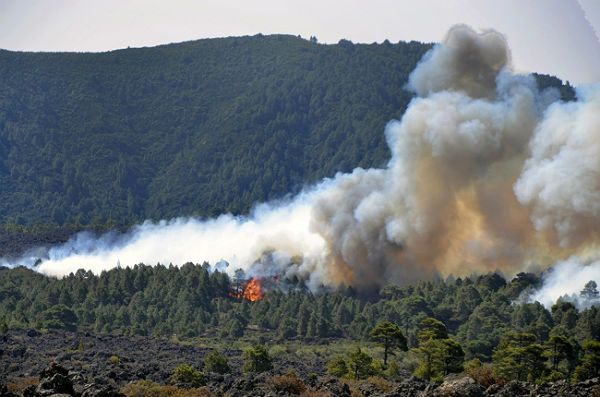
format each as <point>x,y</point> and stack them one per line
<point>196,128</point>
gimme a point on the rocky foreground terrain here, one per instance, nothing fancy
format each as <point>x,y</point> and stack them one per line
<point>63,364</point>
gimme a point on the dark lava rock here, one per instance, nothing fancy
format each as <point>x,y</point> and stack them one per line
<point>411,387</point>
<point>514,389</point>
<point>56,384</point>
<point>32,333</point>
<point>54,369</point>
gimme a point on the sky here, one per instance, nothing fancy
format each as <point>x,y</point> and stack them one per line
<point>559,37</point>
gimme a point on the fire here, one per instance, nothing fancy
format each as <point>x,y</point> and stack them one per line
<point>253,291</point>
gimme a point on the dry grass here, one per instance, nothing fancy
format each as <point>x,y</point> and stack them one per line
<point>289,384</point>
<point>146,388</point>
<point>484,375</point>
<point>316,393</point>
<point>380,383</point>
<point>19,384</point>
<point>356,393</point>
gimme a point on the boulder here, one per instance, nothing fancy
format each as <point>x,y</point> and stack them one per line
<point>56,384</point>
<point>94,390</point>
<point>459,387</point>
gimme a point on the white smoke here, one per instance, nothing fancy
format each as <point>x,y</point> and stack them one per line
<point>483,175</point>
<point>240,241</point>
<point>566,280</point>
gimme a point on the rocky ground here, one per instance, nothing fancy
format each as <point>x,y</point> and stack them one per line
<point>63,364</point>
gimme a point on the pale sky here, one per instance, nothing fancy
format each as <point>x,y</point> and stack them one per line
<point>559,37</point>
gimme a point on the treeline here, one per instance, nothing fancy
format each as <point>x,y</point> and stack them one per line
<point>192,300</point>
<point>197,128</point>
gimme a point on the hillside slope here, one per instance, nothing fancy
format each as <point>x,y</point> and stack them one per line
<point>196,128</point>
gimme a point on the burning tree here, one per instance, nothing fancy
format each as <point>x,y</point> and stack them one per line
<point>254,291</point>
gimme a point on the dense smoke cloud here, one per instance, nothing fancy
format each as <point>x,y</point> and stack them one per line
<point>561,180</point>
<point>466,62</point>
<point>483,175</point>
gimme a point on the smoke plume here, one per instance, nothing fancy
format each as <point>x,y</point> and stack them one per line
<point>566,280</point>
<point>486,173</point>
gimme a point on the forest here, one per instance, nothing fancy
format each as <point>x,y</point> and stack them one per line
<point>192,129</point>
<point>442,326</point>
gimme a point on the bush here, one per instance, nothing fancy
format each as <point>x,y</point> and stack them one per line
<point>3,327</point>
<point>188,376</point>
<point>288,384</point>
<point>337,367</point>
<point>146,388</point>
<point>392,371</point>
<point>257,359</point>
<point>217,362</point>
<point>114,360</point>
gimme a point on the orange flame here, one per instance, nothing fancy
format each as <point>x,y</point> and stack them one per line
<point>253,291</point>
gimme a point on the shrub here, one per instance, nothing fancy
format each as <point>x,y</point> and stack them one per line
<point>337,367</point>
<point>114,360</point>
<point>288,384</point>
<point>3,327</point>
<point>257,359</point>
<point>554,376</point>
<point>217,362</point>
<point>392,371</point>
<point>187,375</point>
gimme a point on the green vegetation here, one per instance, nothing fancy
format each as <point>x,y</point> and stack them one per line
<point>590,363</point>
<point>498,339</point>
<point>187,375</point>
<point>359,364</point>
<point>519,357</point>
<point>197,128</point>
<point>338,367</point>
<point>257,359</point>
<point>216,362</point>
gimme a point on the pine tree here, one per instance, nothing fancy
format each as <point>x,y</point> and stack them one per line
<point>390,337</point>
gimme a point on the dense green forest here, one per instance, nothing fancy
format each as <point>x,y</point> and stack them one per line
<point>479,318</point>
<point>197,128</point>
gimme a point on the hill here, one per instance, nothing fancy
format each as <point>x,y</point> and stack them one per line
<point>196,128</point>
